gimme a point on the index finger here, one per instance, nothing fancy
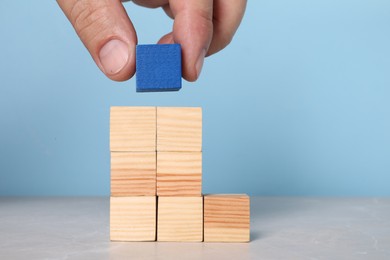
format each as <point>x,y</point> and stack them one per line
<point>193,29</point>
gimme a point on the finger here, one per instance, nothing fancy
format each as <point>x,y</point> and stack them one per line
<point>107,32</point>
<point>167,10</point>
<point>193,29</point>
<point>227,17</point>
<point>166,39</point>
<point>151,3</point>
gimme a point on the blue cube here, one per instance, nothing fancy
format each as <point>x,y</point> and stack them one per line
<point>158,67</point>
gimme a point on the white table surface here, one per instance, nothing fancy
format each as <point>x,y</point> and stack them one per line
<point>281,228</point>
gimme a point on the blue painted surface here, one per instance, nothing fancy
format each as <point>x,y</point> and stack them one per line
<point>158,67</point>
<point>297,104</point>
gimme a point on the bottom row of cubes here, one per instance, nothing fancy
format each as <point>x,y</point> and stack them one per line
<point>212,218</point>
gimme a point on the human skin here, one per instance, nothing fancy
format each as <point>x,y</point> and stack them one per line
<point>202,27</point>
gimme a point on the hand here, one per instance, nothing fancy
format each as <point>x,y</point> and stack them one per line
<point>202,27</point>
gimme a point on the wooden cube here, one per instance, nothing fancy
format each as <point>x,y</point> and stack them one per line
<point>226,218</point>
<point>180,219</point>
<point>133,218</point>
<point>179,129</point>
<point>179,174</point>
<point>133,174</point>
<point>133,129</point>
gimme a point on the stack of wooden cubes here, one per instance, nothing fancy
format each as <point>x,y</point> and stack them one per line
<point>156,181</point>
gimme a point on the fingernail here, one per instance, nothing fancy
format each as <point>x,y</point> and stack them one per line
<point>199,63</point>
<point>114,56</point>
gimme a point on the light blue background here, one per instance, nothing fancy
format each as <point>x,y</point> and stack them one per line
<point>298,104</point>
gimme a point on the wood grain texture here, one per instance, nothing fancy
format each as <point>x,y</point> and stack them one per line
<point>226,218</point>
<point>133,174</point>
<point>179,174</point>
<point>180,219</point>
<point>179,129</point>
<point>132,129</point>
<point>133,218</point>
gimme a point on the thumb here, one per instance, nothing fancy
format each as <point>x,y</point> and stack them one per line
<point>107,32</point>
